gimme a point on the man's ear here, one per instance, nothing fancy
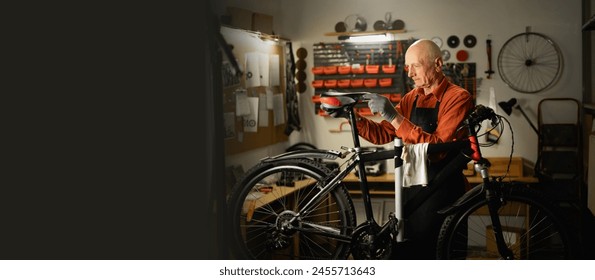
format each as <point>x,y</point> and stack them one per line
<point>438,62</point>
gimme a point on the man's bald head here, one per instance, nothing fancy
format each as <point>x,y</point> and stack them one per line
<point>426,49</point>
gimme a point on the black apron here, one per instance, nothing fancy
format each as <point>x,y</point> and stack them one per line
<point>422,225</point>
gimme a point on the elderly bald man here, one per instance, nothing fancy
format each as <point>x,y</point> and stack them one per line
<point>430,113</point>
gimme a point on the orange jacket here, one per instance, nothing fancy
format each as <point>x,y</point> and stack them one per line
<point>455,103</point>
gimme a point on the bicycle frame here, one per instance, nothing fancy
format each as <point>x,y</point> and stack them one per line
<point>357,159</point>
<point>470,150</point>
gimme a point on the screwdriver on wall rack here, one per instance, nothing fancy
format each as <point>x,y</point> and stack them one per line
<point>390,54</point>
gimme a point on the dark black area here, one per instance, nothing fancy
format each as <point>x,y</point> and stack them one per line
<point>111,142</point>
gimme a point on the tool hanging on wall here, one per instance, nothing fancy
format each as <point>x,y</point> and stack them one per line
<point>390,55</point>
<point>489,51</point>
<point>291,99</point>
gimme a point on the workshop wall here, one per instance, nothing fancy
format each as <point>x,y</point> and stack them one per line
<point>306,22</point>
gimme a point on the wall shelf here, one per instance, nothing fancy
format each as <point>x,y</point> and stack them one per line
<point>359,33</point>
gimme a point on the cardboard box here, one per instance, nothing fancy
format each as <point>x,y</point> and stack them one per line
<point>262,23</point>
<point>240,18</point>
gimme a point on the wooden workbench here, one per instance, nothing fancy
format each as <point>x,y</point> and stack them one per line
<point>389,178</point>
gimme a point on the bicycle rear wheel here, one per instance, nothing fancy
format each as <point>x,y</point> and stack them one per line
<point>532,228</point>
<point>265,213</point>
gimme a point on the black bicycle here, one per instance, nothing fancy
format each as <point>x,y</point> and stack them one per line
<point>292,206</point>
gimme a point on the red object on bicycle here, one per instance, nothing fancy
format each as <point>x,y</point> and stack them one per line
<point>475,147</point>
<point>330,101</point>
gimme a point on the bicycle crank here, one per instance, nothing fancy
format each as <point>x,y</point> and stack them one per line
<point>368,244</point>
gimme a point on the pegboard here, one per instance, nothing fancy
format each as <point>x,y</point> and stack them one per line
<point>375,67</point>
<point>362,66</point>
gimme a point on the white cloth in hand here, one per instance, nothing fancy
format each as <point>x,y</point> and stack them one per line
<point>415,165</point>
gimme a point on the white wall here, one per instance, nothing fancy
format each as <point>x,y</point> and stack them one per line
<point>306,21</point>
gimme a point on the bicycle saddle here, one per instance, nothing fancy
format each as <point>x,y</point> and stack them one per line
<point>334,101</point>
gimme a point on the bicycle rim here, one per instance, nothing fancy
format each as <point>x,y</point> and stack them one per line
<point>531,230</point>
<point>530,62</point>
<point>265,220</point>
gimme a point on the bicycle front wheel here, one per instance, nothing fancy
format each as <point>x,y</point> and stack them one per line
<point>266,214</point>
<point>531,225</point>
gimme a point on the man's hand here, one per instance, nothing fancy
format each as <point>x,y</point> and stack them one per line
<point>380,104</point>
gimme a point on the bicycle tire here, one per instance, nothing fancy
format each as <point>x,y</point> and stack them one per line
<point>532,225</point>
<point>259,219</point>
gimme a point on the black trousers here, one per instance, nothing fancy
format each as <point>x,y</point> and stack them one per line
<point>422,225</point>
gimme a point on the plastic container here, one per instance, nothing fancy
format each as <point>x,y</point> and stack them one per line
<point>330,83</point>
<point>356,83</point>
<point>357,69</point>
<point>372,69</point>
<point>344,69</point>
<point>330,70</point>
<point>370,83</point>
<point>345,83</point>
<point>385,82</point>
<point>318,70</point>
<point>389,69</point>
<point>318,83</point>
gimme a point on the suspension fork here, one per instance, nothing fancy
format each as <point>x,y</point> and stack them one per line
<point>492,196</point>
<point>494,204</point>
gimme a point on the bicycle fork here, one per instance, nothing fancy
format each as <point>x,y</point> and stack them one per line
<point>494,204</point>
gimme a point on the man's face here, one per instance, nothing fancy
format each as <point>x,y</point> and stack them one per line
<point>422,72</point>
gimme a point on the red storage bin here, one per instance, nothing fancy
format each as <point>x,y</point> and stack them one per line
<point>330,70</point>
<point>370,83</point>
<point>317,70</point>
<point>372,69</point>
<point>330,83</point>
<point>389,69</point>
<point>385,82</point>
<point>345,83</point>
<point>344,70</point>
<point>355,83</point>
<point>318,83</point>
<point>357,69</point>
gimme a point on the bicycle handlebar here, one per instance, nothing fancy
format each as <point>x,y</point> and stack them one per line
<point>480,114</point>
